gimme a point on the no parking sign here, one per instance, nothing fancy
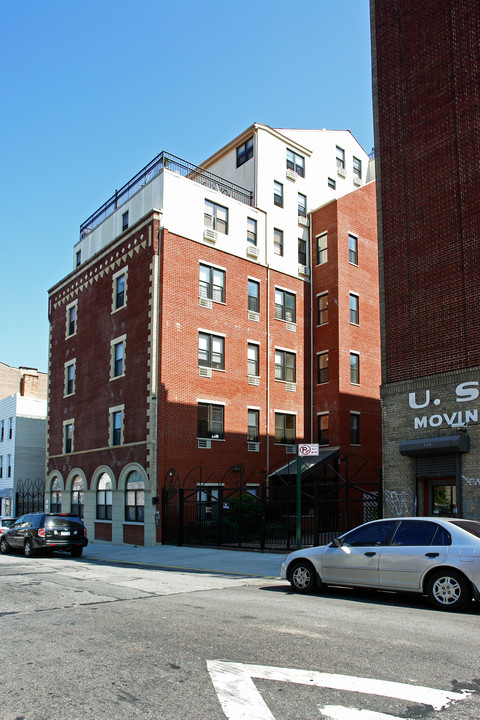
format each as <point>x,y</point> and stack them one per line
<point>308,450</point>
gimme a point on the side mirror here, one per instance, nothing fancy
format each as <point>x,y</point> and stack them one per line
<point>337,542</point>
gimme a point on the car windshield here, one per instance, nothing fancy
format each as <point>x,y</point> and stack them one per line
<point>471,526</point>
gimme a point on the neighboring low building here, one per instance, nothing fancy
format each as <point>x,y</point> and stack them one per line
<point>27,381</point>
<point>22,454</point>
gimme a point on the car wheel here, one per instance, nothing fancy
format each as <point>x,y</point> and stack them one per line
<point>76,552</point>
<point>4,546</point>
<point>28,548</point>
<point>448,590</point>
<point>303,576</point>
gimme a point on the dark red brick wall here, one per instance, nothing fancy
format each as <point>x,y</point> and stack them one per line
<point>133,534</point>
<point>103,531</point>
<point>428,154</point>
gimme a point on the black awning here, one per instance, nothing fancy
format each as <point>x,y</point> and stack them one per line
<point>436,445</point>
<point>308,463</point>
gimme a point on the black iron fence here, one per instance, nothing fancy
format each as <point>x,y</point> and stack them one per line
<point>263,515</point>
<point>29,496</point>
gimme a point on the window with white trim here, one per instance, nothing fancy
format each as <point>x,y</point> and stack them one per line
<point>251,231</point>
<point>278,194</point>
<point>254,295</point>
<point>252,360</point>
<point>71,327</point>
<point>323,429</point>
<point>116,425</point>
<point>68,426</point>
<point>322,249</point>
<point>216,217</point>
<point>119,299</point>
<point>285,428</point>
<point>352,249</point>
<point>104,498</point>
<point>296,163</point>
<point>253,424</point>
<point>278,241</point>
<point>322,308</point>
<point>354,428</point>
<point>354,368</point>
<point>117,357</point>
<point>210,421</point>
<point>285,305</point>
<point>245,152</point>
<point>212,283</point>
<point>354,309</point>
<point>285,365</point>
<point>322,368</point>
<point>69,386</point>
<point>211,351</point>
<point>340,157</point>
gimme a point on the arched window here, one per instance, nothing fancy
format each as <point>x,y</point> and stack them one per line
<point>56,496</point>
<point>78,489</point>
<point>104,498</point>
<point>134,498</point>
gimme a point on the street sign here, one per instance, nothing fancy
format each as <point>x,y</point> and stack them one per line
<point>308,450</point>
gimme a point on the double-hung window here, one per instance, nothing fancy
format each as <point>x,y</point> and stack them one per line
<point>68,436</point>
<point>352,249</point>
<point>357,168</point>
<point>251,231</point>
<point>285,429</point>
<point>71,319</point>
<point>10,428</point>
<point>252,359</point>
<point>69,378</point>
<point>285,365</point>
<point>355,428</point>
<point>340,157</point>
<point>125,220</point>
<point>253,424</point>
<point>212,283</point>
<point>134,498</point>
<point>104,498</point>
<point>116,425</point>
<point>2,430</point>
<point>322,309</point>
<point>211,351</point>
<point>9,466</point>
<point>302,251</point>
<point>254,296</point>
<point>117,366</point>
<point>322,373</point>
<point>244,152</point>
<point>119,290</point>
<point>216,217</point>
<point>302,205</point>
<point>278,241</point>
<point>323,434</point>
<point>285,305</point>
<point>278,194</point>
<point>296,163</point>
<point>210,421</point>
<point>322,249</point>
<point>354,368</point>
<point>354,309</point>
<point>1,467</point>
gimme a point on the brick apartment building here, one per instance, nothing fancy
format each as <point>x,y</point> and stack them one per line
<point>426,70</point>
<point>215,317</point>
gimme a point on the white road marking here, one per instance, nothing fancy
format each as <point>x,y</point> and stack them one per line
<point>240,699</point>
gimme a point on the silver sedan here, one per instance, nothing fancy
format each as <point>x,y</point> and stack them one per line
<point>439,557</point>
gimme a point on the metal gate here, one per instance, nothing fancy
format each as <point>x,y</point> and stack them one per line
<point>245,510</point>
<point>29,496</point>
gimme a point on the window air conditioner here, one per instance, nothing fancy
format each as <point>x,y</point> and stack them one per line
<point>291,387</point>
<point>204,444</point>
<point>210,235</point>
<point>252,250</point>
<point>291,449</point>
<point>253,316</point>
<point>357,181</point>
<point>291,326</point>
<point>253,447</point>
<point>291,174</point>
<point>205,372</point>
<point>342,172</point>
<point>303,221</point>
<point>206,303</point>
<point>304,270</point>
<point>253,380</point>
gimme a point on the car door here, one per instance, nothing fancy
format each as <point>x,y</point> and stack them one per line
<point>17,532</point>
<point>355,562</point>
<point>416,546</point>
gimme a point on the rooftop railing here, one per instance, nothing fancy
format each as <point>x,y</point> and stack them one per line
<point>155,167</point>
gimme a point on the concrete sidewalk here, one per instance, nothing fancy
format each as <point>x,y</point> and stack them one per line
<point>171,557</point>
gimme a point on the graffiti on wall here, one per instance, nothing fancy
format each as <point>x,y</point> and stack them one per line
<point>474,482</point>
<point>399,503</point>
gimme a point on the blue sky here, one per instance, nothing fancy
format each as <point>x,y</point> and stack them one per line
<point>92,90</point>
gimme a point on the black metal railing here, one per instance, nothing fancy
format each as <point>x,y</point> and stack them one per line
<point>164,161</point>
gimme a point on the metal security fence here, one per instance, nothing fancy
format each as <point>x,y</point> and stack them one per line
<point>244,510</point>
<point>29,496</point>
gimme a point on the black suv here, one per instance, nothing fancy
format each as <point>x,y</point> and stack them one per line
<point>45,531</point>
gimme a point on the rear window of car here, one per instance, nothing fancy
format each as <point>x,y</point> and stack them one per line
<point>471,526</point>
<point>63,521</point>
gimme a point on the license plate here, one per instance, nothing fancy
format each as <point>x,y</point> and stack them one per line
<point>64,532</point>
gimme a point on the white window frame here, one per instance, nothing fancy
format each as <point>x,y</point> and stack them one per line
<point>70,306</point>
<point>66,423</point>
<point>121,340</point>
<point>323,252</point>
<point>115,278</point>
<point>111,413</point>
<point>70,364</point>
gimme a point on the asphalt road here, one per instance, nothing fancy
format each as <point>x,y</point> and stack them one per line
<point>88,641</point>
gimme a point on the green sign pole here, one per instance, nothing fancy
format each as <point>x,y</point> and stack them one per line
<point>299,501</point>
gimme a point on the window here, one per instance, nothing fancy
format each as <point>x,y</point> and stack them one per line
<point>117,357</point>
<point>68,436</point>
<point>1,467</point>
<point>252,359</point>
<point>357,167</point>
<point>125,220</point>
<point>322,374</point>
<point>210,421</point>
<point>253,418</point>
<point>296,163</point>
<point>323,429</point>
<point>69,378</point>
<point>340,157</point>
<point>352,249</point>
<point>104,498</point>
<point>331,183</point>
<point>254,296</point>
<point>322,252</point>
<point>251,231</point>
<point>245,151</point>
<point>302,205</point>
<point>56,496</point>
<point>134,498</point>
<point>418,533</point>
<point>9,466</point>
<point>212,283</point>
<point>354,428</point>
<point>119,290</point>
<point>355,368</point>
<point>302,251</point>
<point>322,309</point>
<point>370,535</point>
<point>284,305</point>
<point>2,430</point>
<point>71,319</point>
<point>116,425</point>
<point>278,194</point>
<point>216,217</point>
<point>285,429</point>
<point>208,500</point>
<point>10,428</point>
<point>78,258</point>
<point>78,489</point>
<point>211,351</point>
<point>285,365</point>
<point>354,309</point>
<point>278,241</point>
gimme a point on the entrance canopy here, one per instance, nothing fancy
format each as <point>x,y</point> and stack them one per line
<point>308,464</point>
<point>436,445</point>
